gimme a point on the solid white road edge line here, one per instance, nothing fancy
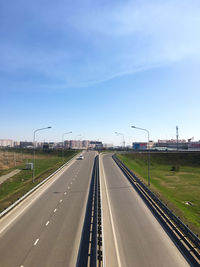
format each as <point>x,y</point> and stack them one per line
<point>43,188</point>
<point>111,218</point>
<point>77,239</point>
<point>36,241</point>
<point>34,189</point>
<point>102,225</point>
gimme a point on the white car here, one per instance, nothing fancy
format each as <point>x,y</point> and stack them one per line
<point>80,157</point>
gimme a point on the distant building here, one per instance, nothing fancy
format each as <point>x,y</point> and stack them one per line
<point>6,143</point>
<point>65,144</point>
<point>75,144</point>
<point>172,141</point>
<point>172,144</point>
<point>16,143</point>
<point>142,145</point>
<point>168,145</point>
<point>108,146</point>
<point>48,146</point>
<point>82,144</point>
<point>85,144</point>
<point>139,146</point>
<point>25,144</point>
<point>59,144</point>
<point>39,144</point>
<point>96,145</point>
<point>194,146</point>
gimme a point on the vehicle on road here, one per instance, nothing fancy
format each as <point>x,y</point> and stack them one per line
<point>80,157</point>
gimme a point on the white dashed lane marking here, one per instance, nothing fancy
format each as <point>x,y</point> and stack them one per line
<point>55,210</point>
<point>36,241</point>
<point>47,223</point>
<point>60,200</point>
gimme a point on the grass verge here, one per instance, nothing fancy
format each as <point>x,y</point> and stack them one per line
<point>175,188</point>
<point>16,186</point>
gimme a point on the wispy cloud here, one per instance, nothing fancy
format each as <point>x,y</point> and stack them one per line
<point>75,45</point>
<point>166,30</point>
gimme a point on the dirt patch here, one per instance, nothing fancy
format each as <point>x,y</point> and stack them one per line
<point>12,159</point>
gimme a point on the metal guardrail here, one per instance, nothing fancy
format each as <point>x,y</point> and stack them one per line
<point>90,250</point>
<point>187,233</point>
<point>33,189</point>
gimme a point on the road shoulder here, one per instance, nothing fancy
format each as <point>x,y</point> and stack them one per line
<point>112,258</point>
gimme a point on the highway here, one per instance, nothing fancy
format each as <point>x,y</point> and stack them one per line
<point>45,230</point>
<point>132,235</point>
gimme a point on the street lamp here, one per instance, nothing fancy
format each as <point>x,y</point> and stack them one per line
<point>148,151</point>
<point>33,174</point>
<point>123,143</point>
<point>63,144</point>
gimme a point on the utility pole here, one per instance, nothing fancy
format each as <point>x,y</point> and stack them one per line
<point>177,136</point>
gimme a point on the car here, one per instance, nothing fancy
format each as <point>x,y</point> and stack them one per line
<point>80,157</point>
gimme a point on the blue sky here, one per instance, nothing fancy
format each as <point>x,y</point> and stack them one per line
<point>96,67</point>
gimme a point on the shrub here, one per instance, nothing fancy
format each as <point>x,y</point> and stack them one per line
<point>175,168</point>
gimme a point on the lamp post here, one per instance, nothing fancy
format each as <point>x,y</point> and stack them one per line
<point>148,151</point>
<point>123,143</point>
<point>63,144</point>
<point>33,174</point>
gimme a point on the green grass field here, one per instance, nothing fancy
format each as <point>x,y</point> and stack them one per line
<point>18,185</point>
<point>175,188</point>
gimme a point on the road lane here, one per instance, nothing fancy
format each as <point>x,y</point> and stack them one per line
<point>133,237</point>
<point>48,232</point>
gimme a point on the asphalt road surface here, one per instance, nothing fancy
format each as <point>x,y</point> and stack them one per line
<point>46,230</point>
<point>132,235</point>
